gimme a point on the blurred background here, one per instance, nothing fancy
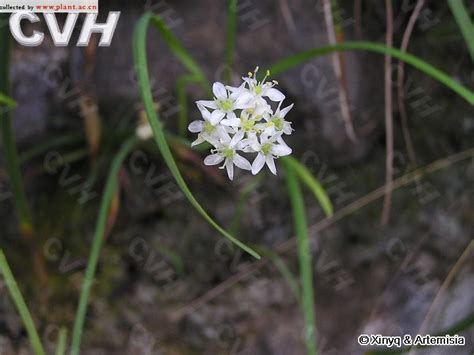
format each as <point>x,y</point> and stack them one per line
<point>167,283</point>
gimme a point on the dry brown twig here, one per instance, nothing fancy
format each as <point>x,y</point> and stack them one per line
<point>400,81</point>
<point>388,117</point>
<point>467,252</point>
<point>339,73</point>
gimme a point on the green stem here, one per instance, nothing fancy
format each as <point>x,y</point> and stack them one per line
<point>8,138</point>
<point>304,257</point>
<point>141,66</point>
<point>297,59</point>
<point>20,305</point>
<point>97,242</point>
<point>230,43</point>
<point>62,339</point>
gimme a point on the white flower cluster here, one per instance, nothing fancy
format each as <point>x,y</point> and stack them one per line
<point>242,119</point>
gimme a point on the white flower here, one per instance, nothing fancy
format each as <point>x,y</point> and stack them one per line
<point>242,119</point>
<point>262,89</point>
<point>225,102</point>
<point>226,151</point>
<point>269,149</point>
<point>209,129</point>
<point>246,122</point>
<point>276,122</point>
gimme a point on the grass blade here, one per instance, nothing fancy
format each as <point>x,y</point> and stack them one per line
<point>304,257</point>
<point>310,181</point>
<point>230,42</point>
<point>7,101</point>
<point>62,339</point>
<point>301,57</point>
<point>141,66</point>
<point>110,188</point>
<point>178,50</point>
<point>20,305</point>
<point>461,15</point>
<point>6,126</point>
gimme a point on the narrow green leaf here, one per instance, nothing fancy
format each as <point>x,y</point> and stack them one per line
<point>110,188</point>
<point>297,59</point>
<point>304,257</point>
<point>141,64</point>
<point>20,305</point>
<point>461,15</point>
<point>7,101</point>
<point>310,181</point>
<point>178,50</point>
<point>8,138</point>
<point>231,34</point>
<point>62,339</point>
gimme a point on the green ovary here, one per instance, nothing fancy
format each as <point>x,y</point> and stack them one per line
<point>258,89</point>
<point>228,152</point>
<point>247,125</point>
<point>266,148</point>
<point>278,122</point>
<point>209,128</point>
<point>225,105</point>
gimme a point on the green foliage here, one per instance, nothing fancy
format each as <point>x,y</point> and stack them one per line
<point>461,15</point>
<point>8,139</point>
<point>231,34</point>
<point>301,57</point>
<point>110,189</point>
<point>141,65</point>
<point>20,305</point>
<point>62,339</point>
<point>7,101</point>
<point>304,257</point>
<point>310,181</point>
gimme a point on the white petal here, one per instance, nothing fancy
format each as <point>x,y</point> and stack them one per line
<point>232,89</point>
<point>236,91</point>
<point>199,140</point>
<point>243,100</point>
<point>207,103</point>
<point>219,90</point>
<point>241,162</point>
<point>216,117</point>
<point>271,164</point>
<point>274,94</point>
<point>281,150</point>
<point>244,145</point>
<point>196,126</point>
<point>258,164</point>
<point>233,122</point>
<point>287,128</point>
<point>237,138</point>
<point>285,111</point>
<point>213,159</point>
<point>229,165</point>
<point>210,139</point>
<point>222,135</point>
